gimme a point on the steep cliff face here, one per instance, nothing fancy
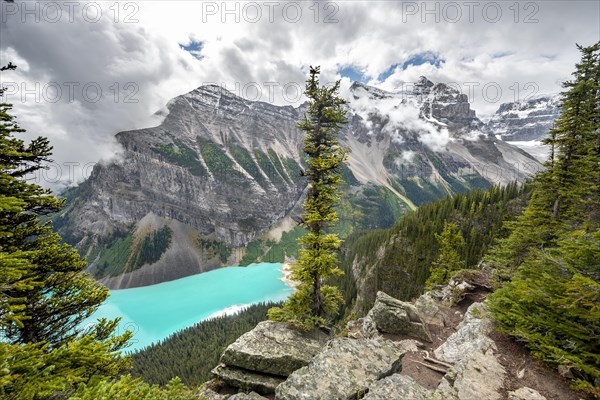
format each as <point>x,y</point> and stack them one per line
<point>221,171</point>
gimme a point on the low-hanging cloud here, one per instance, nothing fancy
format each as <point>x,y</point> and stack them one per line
<point>137,54</point>
<point>402,118</point>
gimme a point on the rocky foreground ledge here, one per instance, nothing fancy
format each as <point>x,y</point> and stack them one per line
<point>438,348</point>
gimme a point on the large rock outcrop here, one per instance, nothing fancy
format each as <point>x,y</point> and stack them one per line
<point>394,316</point>
<point>274,348</point>
<point>365,365</point>
<point>344,370</point>
<point>398,386</point>
<point>471,336</point>
<point>246,380</point>
<point>261,359</point>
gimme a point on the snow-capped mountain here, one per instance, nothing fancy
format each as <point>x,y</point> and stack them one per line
<point>224,170</point>
<point>526,120</point>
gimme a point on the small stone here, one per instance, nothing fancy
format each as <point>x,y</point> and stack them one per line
<point>525,393</point>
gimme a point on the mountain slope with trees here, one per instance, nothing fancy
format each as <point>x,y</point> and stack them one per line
<point>398,260</point>
<point>549,266</point>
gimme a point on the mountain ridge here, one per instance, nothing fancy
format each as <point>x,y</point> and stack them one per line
<point>229,170</point>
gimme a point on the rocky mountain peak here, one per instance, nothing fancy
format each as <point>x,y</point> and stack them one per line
<point>526,120</point>
<point>226,170</point>
<point>423,85</point>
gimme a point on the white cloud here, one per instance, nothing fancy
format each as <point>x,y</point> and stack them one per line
<point>401,119</point>
<point>371,36</point>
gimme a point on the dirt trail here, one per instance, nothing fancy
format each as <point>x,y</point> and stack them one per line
<point>521,368</point>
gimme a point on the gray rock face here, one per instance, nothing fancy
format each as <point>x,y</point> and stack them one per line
<point>363,328</point>
<point>209,394</point>
<point>394,316</point>
<point>470,336</point>
<point>429,310</point>
<point>247,380</point>
<point>274,348</point>
<point>398,386</point>
<point>525,120</point>
<point>478,375</point>
<point>344,370</point>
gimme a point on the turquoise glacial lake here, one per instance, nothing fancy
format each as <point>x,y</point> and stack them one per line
<point>154,312</point>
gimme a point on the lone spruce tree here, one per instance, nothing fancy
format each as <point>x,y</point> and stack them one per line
<point>314,302</point>
<point>451,241</point>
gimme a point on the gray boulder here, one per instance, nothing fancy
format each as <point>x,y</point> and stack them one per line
<point>273,348</point>
<point>479,376</point>
<point>247,380</point>
<point>398,386</point>
<point>362,328</point>
<point>344,370</point>
<point>470,336</point>
<point>209,394</point>
<point>394,316</point>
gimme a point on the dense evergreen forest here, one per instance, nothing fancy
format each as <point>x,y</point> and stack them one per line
<point>397,260</point>
<point>548,269</point>
<point>191,353</point>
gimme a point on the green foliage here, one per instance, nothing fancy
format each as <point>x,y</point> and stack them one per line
<point>219,164</point>
<point>269,169</point>
<point>278,165</point>
<point>44,292</point>
<point>397,260</point>
<point>214,248</point>
<point>293,169</point>
<point>127,388</point>
<point>153,246</point>
<point>549,266</point>
<point>422,191</point>
<point>243,158</point>
<point>193,352</point>
<point>314,302</point>
<point>371,208</point>
<point>180,154</point>
<point>39,370</point>
<point>128,253</point>
<point>450,242</point>
<point>287,246</point>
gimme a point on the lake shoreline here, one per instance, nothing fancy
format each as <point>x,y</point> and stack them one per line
<point>286,270</point>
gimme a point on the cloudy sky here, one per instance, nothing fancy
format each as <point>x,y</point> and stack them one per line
<point>87,70</point>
